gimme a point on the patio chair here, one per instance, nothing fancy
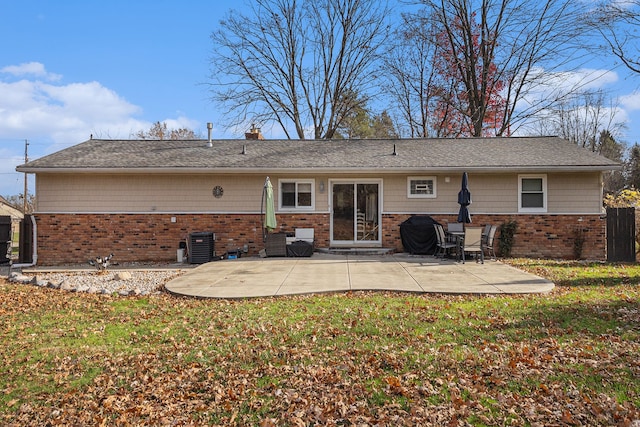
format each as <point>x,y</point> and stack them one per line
<point>473,243</point>
<point>485,232</point>
<point>454,227</point>
<point>488,242</point>
<point>442,245</point>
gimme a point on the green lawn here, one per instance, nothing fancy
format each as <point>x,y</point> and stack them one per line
<point>565,358</point>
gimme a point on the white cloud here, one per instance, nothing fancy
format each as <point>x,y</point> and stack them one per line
<point>631,101</point>
<point>545,87</point>
<point>585,78</point>
<point>554,84</point>
<point>35,69</point>
<point>36,105</point>
<point>53,116</point>
<point>66,114</point>
<point>182,122</point>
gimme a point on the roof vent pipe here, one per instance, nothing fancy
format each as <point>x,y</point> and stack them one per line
<point>209,128</point>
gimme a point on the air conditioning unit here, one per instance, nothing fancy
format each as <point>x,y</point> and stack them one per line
<point>201,247</point>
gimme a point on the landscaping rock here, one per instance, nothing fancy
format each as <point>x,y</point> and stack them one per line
<point>54,285</point>
<point>66,286</point>
<point>121,283</point>
<point>19,278</point>
<point>122,275</point>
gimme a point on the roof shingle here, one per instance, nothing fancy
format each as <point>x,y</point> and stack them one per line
<point>347,155</point>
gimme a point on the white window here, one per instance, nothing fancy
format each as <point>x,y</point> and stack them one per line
<point>297,194</point>
<point>532,193</point>
<point>421,187</point>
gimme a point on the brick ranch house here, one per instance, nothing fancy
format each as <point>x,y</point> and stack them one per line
<point>140,198</point>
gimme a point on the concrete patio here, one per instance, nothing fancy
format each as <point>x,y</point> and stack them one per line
<point>261,277</point>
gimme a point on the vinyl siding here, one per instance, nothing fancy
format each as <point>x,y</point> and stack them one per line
<point>85,193</point>
<point>185,193</point>
<point>574,193</point>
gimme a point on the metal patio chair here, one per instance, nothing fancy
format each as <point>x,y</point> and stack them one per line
<point>473,243</point>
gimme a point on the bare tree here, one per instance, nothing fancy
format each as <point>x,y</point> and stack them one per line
<point>410,75</point>
<point>160,131</point>
<point>518,44</point>
<point>588,122</point>
<point>619,22</point>
<point>17,201</point>
<point>583,119</point>
<point>293,61</point>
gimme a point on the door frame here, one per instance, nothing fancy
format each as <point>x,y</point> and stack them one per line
<point>354,242</point>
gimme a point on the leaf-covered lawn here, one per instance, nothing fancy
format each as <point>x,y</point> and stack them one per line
<point>582,273</point>
<point>570,357</point>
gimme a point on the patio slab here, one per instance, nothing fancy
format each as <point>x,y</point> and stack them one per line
<point>260,277</point>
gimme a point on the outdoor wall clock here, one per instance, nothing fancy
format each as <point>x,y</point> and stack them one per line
<point>217,191</point>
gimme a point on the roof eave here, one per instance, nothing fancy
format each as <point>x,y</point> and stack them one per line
<point>345,170</point>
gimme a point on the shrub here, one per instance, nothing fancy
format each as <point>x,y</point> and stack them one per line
<point>507,232</point>
<point>578,242</point>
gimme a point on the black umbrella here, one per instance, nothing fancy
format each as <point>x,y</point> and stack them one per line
<point>464,200</point>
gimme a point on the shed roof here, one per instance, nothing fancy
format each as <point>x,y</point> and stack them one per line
<point>357,156</point>
<point>6,209</point>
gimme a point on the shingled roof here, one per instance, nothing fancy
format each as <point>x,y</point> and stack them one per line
<point>379,155</point>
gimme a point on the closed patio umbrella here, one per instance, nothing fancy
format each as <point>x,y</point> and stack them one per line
<point>269,222</point>
<point>464,200</point>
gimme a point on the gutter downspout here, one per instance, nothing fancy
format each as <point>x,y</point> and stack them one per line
<point>34,254</point>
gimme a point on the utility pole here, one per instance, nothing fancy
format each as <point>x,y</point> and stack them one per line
<point>24,195</point>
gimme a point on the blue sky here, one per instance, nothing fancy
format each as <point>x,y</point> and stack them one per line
<point>72,68</point>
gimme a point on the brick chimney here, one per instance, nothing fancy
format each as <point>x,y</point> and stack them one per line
<point>254,133</point>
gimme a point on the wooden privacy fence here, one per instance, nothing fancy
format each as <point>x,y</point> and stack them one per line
<point>621,235</point>
<point>5,239</point>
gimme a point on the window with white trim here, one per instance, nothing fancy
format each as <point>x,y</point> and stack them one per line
<point>421,187</point>
<point>532,193</point>
<point>297,194</point>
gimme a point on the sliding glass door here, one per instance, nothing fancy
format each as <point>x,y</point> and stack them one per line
<point>355,213</point>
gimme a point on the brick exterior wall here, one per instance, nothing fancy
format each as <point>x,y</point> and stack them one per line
<point>537,236</point>
<point>75,238</point>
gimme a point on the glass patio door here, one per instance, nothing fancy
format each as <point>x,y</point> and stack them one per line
<point>355,213</point>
